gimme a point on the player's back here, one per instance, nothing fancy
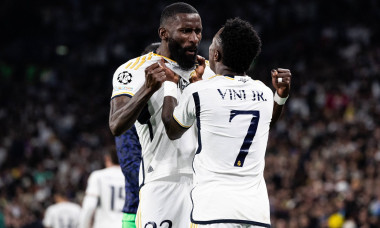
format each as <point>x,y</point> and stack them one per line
<point>108,185</point>
<point>62,215</point>
<point>233,117</point>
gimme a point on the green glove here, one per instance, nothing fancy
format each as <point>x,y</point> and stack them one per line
<point>129,220</point>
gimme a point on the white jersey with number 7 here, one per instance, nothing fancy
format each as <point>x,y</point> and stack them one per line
<point>232,116</point>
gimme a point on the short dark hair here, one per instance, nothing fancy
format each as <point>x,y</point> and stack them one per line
<point>113,154</point>
<point>60,191</point>
<point>151,47</point>
<point>174,9</point>
<point>240,44</point>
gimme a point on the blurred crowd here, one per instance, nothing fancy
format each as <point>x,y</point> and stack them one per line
<point>57,60</point>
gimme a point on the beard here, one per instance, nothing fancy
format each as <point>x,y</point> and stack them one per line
<point>178,54</point>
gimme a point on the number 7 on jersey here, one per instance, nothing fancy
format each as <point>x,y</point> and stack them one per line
<point>239,162</point>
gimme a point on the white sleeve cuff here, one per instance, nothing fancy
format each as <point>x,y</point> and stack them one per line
<point>170,89</point>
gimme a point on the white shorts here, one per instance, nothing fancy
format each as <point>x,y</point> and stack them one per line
<point>165,203</point>
<point>224,225</point>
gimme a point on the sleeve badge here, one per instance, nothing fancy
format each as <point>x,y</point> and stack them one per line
<point>124,77</point>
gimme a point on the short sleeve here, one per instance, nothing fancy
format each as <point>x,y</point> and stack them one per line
<point>128,78</point>
<point>184,113</point>
<point>93,185</point>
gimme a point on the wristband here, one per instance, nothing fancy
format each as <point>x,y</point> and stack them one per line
<point>279,100</point>
<point>170,89</point>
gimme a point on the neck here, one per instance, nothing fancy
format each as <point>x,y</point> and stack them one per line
<point>224,70</point>
<point>60,199</point>
<point>108,163</point>
<point>112,165</point>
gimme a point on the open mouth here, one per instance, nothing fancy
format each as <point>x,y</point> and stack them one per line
<point>191,51</point>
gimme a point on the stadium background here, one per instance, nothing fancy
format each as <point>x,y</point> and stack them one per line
<point>57,59</point>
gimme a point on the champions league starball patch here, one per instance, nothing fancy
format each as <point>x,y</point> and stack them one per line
<point>124,77</point>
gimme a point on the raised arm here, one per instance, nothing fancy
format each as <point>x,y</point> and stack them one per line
<point>281,79</point>
<point>172,127</point>
<point>124,110</point>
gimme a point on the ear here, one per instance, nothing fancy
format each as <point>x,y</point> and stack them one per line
<point>217,56</point>
<point>163,33</point>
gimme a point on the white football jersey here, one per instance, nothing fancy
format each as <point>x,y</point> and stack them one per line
<point>108,185</point>
<point>232,116</point>
<point>161,157</point>
<point>62,215</point>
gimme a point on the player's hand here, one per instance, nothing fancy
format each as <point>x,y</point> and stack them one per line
<point>169,74</point>
<point>281,79</point>
<point>197,74</point>
<point>154,77</point>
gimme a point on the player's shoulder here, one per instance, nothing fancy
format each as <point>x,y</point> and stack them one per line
<point>133,70</point>
<point>198,86</point>
<point>115,169</point>
<point>262,85</point>
<point>96,174</point>
<point>51,208</point>
<point>72,205</point>
<point>75,205</point>
<point>104,173</point>
<point>138,64</point>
